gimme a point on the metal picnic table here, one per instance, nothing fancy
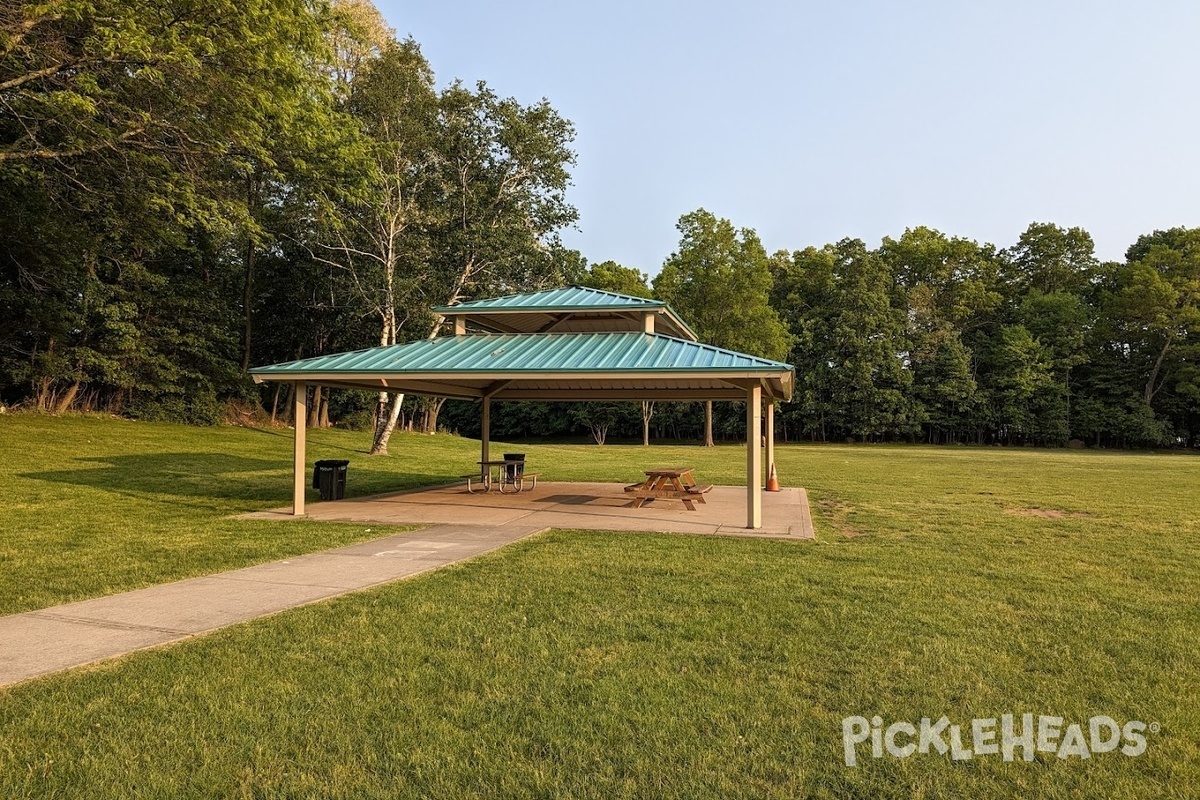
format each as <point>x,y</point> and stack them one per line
<point>501,472</point>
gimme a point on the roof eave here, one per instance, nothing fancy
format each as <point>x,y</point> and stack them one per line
<point>728,384</point>
<point>722,373</point>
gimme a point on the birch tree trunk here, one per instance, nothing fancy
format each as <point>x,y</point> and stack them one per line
<point>647,413</point>
<point>384,432</point>
<point>385,414</point>
<point>253,190</point>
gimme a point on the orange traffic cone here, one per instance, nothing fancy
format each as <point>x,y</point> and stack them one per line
<point>772,481</point>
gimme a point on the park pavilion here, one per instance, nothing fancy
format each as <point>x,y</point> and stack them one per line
<point>568,344</point>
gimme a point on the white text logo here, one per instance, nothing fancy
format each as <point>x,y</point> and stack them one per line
<point>990,736</point>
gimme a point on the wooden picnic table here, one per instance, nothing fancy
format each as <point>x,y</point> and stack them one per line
<point>668,483</point>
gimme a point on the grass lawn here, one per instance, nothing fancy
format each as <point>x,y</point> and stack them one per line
<point>963,582</point>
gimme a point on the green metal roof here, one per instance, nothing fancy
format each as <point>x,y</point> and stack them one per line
<point>568,298</point>
<point>533,354</point>
<point>617,365</point>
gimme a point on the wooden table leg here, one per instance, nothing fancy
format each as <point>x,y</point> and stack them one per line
<point>645,487</point>
<point>652,484</point>
<point>677,485</point>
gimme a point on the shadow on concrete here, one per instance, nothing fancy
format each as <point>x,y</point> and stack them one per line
<point>568,499</point>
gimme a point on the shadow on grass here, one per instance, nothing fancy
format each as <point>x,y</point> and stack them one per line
<point>185,478</point>
<point>289,435</point>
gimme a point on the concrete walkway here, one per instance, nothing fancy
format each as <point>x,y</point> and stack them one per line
<point>463,525</point>
<point>58,638</point>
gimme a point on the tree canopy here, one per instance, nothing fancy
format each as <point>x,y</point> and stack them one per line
<point>720,281</point>
<point>189,189</point>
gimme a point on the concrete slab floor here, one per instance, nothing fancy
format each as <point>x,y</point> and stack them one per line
<point>586,506</point>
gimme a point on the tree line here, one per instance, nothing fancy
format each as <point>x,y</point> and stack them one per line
<point>941,339</point>
<point>934,338</point>
<point>188,190</point>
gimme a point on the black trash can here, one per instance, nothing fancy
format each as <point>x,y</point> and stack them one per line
<point>514,471</point>
<point>330,477</point>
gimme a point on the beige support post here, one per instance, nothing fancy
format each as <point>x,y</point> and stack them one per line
<point>460,325</point>
<point>299,476</point>
<point>770,437</point>
<point>753,457</point>
<point>484,439</point>
<point>648,321</point>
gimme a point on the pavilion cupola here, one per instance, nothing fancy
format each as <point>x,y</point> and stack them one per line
<point>572,309</point>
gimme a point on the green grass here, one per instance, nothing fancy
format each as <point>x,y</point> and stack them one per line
<point>91,506</point>
<point>599,665</point>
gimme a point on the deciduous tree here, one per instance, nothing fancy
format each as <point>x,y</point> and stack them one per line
<point>719,280</point>
<point>612,277</point>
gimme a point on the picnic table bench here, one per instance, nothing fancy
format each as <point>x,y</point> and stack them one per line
<point>669,483</point>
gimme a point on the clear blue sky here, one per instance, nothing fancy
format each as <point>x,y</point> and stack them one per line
<point>811,122</point>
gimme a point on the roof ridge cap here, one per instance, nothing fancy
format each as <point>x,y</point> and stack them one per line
<point>617,294</point>
<point>653,301</point>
